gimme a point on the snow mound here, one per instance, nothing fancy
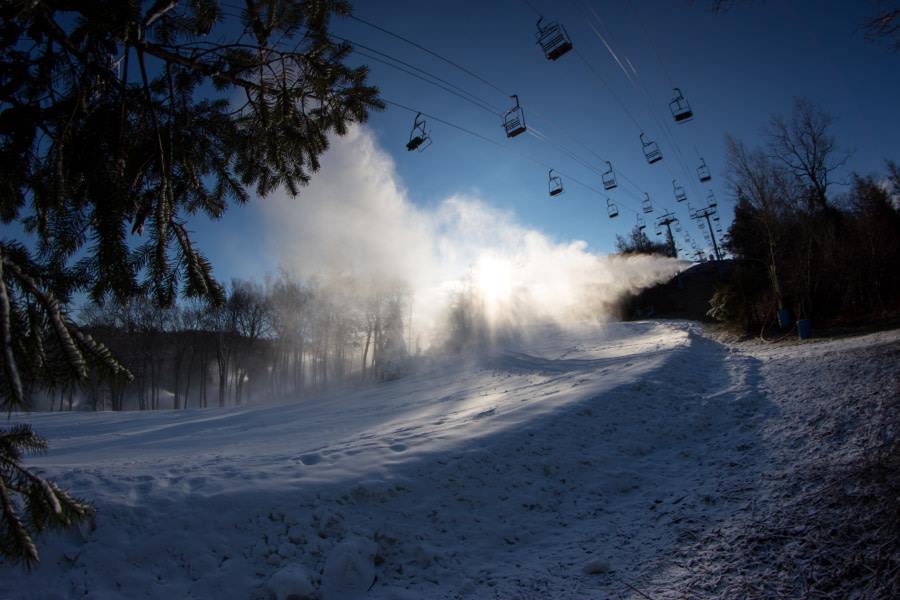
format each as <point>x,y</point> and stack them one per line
<point>292,582</point>
<point>349,570</point>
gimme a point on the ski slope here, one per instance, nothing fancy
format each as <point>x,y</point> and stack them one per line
<point>568,464</point>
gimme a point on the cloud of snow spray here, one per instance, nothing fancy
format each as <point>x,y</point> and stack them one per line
<point>355,219</point>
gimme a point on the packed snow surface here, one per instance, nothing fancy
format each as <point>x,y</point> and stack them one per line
<point>566,464</point>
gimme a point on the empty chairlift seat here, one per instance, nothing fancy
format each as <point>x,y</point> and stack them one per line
<point>680,194</point>
<point>640,223</point>
<point>711,199</point>
<point>651,150</point>
<point>609,177</point>
<point>611,209</point>
<point>646,204</point>
<point>514,120</point>
<point>418,137</point>
<point>681,110</point>
<point>555,184</point>
<point>553,39</point>
<point>703,171</point>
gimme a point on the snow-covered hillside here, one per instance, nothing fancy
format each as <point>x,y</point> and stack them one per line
<point>572,464</point>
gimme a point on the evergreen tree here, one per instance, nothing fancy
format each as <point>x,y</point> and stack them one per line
<point>118,120</point>
<point>45,504</point>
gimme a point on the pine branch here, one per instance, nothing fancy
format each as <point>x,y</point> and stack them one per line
<point>45,504</point>
<point>17,544</point>
<point>52,309</point>
<point>102,354</point>
<point>9,361</point>
<point>18,439</point>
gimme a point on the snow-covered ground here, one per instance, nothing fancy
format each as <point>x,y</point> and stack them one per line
<point>572,464</point>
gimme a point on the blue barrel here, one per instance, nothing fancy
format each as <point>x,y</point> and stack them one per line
<point>804,328</point>
<point>784,318</point>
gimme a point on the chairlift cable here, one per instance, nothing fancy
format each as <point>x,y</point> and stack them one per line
<point>634,77</point>
<point>667,133</point>
<point>445,122</point>
<point>668,74</point>
<point>420,73</point>
<point>654,47</point>
<point>459,89</point>
<point>541,136</point>
<point>482,105</point>
<point>431,52</point>
<point>607,44</point>
<point>612,92</point>
<point>495,87</point>
<point>636,82</point>
<point>462,94</point>
<point>500,145</point>
<point>531,6</point>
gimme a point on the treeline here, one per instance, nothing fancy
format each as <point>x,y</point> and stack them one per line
<point>281,339</point>
<point>637,242</point>
<point>831,258</point>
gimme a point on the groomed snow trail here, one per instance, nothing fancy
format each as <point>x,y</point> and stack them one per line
<point>567,465</point>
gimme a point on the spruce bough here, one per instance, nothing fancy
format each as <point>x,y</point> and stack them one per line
<point>118,121</point>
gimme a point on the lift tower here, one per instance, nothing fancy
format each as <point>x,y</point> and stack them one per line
<point>666,220</point>
<point>706,213</point>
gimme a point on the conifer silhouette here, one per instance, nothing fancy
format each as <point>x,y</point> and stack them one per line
<point>118,120</point>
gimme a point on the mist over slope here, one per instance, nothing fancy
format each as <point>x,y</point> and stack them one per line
<point>356,220</point>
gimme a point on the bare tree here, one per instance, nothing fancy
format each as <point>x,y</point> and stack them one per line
<point>806,147</point>
<point>757,180</point>
<point>290,318</point>
<point>885,25</point>
<point>249,314</point>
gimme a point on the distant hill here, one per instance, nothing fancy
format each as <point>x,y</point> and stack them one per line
<point>686,296</point>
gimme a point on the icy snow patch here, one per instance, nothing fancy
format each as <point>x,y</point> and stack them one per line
<point>292,582</point>
<point>349,570</point>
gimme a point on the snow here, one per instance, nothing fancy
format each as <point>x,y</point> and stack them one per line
<point>291,582</point>
<point>570,463</point>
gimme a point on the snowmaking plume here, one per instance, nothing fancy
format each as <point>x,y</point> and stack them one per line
<point>355,220</point>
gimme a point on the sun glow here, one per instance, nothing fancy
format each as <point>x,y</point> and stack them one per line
<point>494,277</point>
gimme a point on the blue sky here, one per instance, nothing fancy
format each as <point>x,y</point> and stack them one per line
<point>735,68</point>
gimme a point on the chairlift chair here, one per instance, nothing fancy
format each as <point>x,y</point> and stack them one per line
<point>609,177</point>
<point>640,223</point>
<point>514,120</point>
<point>658,231</point>
<point>555,184</point>
<point>681,110</point>
<point>680,194</point>
<point>611,209</point>
<point>646,204</point>
<point>553,39</point>
<point>703,171</point>
<point>418,137</point>
<point>711,198</point>
<point>651,150</point>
